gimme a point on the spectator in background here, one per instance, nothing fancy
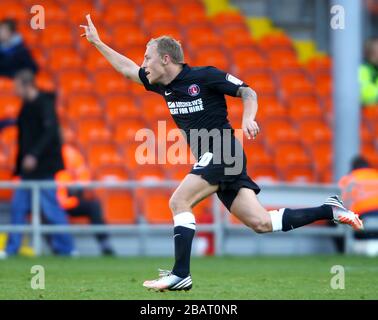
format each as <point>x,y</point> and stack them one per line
<point>39,158</point>
<point>360,192</point>
<point>14,55</point>
<point>368,74</point>
<point>75,201</point>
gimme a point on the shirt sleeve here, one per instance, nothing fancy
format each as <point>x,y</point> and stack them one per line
<point>149,87</point>
<point>223,82</point>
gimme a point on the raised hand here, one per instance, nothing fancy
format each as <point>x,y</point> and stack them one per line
<point>90,31</point>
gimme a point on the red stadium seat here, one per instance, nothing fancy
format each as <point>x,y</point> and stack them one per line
<point>271,109</point>
<point>257,154</point>
<point>95,61</point>
<point>190,13</point>
<point>295,84</point>
<point>319,64</point>
<point>201,36</point>
<point>118,205</point>
<point>322,156</point>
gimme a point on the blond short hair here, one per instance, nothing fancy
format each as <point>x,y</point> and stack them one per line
<point>168,45</point>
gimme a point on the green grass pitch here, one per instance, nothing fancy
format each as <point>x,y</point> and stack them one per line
<point>305,277</point>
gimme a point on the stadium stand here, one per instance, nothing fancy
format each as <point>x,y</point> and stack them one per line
<point>101,111</point>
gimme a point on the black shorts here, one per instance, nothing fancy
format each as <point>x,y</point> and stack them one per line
<point>230,177</point>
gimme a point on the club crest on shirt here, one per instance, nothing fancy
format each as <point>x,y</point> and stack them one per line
<point>194,90</point>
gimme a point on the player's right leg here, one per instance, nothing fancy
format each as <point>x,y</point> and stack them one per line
<point>192,190</point>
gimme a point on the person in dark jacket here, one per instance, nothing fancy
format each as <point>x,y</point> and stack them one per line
<point>14,55</point>
<point>39,158</point>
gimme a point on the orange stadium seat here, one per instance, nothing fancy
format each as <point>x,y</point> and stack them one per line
<point>127,34</point>
<point>170,29</point>
<point>63,59</point>
<point>8,138</point>
<point>211,57</point>
<point>40,56</point>
<point>31,37</point>
<point>69,134</point>
<point>45,81</point>
<point>319,64</point>
<point>74,82</point>
<point>10,106</point>
<point>149,172</point>
<point>189,13</point>
<point>119,107</point>
<point>201,36</point>
<point>126,129</point>
<point>290,155</point>
<point>236,36</point>
<point>83,106</point>
<point>322,156</point>
<point>87,133</point>
<point>118,205</point>
<point>5,175</point>
<point>136,53</point>
<point>179,171</point>
<point>103,154</point>
<point>112,173</point>
<point>263,173</point>
<point>6,85</point>
<point>279,131</point>
<point>271,109</point>
<point>155,207</point>
<point>314,132</point>
<point>95,61</point>
<point>154,13</point>
<point>248,59</point>
<point>119,12</point>
<point>135,154</point>
<point>78,10</point>
<point>223,19</point>
<point>14,10</point>
<point>57,35</point>
<point>110,82</point>
<point>295,84</point>
<point>284,64</point>
<point>275,41</point>
<point>262,82</point>
<point>365,134</point>
<point>257,154</point>
<point>154,107</point>
<point>323,85</point>
<point>298,174</point>
<point>304,107</point>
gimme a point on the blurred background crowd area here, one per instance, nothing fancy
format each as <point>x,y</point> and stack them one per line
<point>100,111</point>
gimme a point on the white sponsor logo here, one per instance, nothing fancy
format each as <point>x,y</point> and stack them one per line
<point>233,79</point>
<point>167,93</point>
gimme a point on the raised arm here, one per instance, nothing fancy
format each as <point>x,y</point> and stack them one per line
<point>121,63</point>
<point>249,125</point>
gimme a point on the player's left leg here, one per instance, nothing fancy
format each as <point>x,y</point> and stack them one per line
<point>248,209</point>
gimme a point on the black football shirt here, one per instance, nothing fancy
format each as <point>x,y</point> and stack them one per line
<point>195,98</point>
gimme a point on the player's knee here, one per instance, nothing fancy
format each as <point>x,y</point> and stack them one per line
<point>258,225</point>
<point>178,204</point>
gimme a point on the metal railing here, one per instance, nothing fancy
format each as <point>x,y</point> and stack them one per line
<point>273,195</point>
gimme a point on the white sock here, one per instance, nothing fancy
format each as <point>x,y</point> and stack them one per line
<point>276,217</point>
<point>185,219</point>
